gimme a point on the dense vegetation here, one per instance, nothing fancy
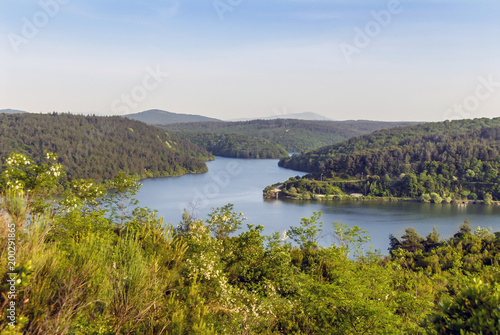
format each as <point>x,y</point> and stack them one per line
<point>293,135</point>
<point>235,146</point>
<point>100,147</point>
<point>87,263</point>
<point>435,161</point>
<point>156,116</point>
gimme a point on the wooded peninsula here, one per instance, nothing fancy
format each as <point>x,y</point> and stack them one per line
<point>451,161</point>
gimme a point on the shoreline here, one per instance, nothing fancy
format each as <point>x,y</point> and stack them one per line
<point>379,199</point>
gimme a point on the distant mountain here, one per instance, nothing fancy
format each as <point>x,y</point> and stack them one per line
<point>308,116</point>
<point>11,111</point>
<point>156,117</point>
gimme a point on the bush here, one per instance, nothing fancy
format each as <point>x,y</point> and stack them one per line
<point>488,199</point>
<point>436,198</point>
<point>425,198</point>
<point>473,311</point>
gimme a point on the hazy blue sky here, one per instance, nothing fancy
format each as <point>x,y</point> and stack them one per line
<point>345,59</point>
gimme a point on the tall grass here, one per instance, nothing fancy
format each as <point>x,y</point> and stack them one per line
<point>90,280</point>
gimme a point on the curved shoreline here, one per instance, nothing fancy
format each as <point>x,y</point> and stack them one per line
<point>378,199</point>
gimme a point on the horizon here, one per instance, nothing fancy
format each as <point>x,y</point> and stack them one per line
<point>424,61</point>
<point>270,117</point>
<point>281,116</point>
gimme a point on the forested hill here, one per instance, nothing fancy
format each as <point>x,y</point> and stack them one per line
<point>425,141</point>
<point>100,147</point>
<point>452,159</point>
<point>235,146</point>
<point>293,135</point>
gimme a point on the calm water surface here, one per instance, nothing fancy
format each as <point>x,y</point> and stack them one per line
<point>241,182</point>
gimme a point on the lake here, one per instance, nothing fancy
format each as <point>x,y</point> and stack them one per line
<point>241,181</point>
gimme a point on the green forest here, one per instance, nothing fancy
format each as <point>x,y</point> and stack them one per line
<point>100,147</point>
<point>446,161</point>
<point>87,262</point>
<point>234,145</point>
<point>293,135</point>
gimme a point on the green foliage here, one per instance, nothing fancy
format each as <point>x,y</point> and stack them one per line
<point>293,135</point>
<point>223,221</point>
<point>488,199</point>
<point>436,198</point>
<point>121,198</point>
<point>97,148</point>
<point>235,145</point>
<point>474,310</point>
<point>306,189</point>
<point>348,237</point>
<point>458,159</point>
<point>464,253</point>
<point>39,182</point>
<point>306,235</point>
<point>426,197</point>
<point>20,173</point>
<point>101,265</point>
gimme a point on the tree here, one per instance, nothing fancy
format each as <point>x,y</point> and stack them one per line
<point>432,240</point>
<point>463,231</point>
<point>410,183</point>
<point>222,221</point>
<point>347,236</point>
<point>394,243</point>
<point>306,236</point>
<point>411,241</point>
<point>121,197</point>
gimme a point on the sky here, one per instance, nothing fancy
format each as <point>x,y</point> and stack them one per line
<point>409,60</point>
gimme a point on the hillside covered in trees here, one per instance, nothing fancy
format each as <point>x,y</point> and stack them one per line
<point>100,147</point>
<point>234,145</point>
<point>293,135</point>
<point>447,160</point>
<point>92,263</point>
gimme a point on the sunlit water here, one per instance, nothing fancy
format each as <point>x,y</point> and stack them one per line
<point>241,182</point>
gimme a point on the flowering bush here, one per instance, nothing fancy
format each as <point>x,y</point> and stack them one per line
<point>21,173</point>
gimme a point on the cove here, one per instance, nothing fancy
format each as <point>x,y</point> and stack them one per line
<point>241,181</point>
